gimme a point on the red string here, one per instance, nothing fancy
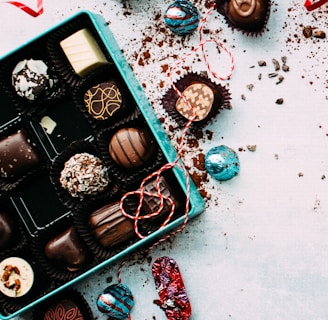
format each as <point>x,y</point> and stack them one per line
<point>27,9</point>
<point>310,5</point>
<point>137,216</point>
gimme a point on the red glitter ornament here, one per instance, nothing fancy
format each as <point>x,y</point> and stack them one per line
<point>171,290</point>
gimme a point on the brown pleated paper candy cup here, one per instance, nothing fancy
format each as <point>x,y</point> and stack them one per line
<point>127,176</point>
<point>58,56</point>
<point>106,105</point>
<point>220,95</point>
<point>18,238</point>
<point>58,269</point>
<point>110,232</point>
<point>14,134</point>
<point>249,27</point>
<point>58,164</point>
<point>42,285</point>
<point>44,96</point>
<point>64,305</point>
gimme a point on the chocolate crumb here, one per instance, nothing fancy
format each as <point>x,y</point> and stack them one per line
<point>319,34</point>
<point>285,68</point>
<point>280,101</point>
<point>251,147</point>
<point>250,87</point>
<point>280,79</point>
<point>307,31</point>
<point>276,64</point>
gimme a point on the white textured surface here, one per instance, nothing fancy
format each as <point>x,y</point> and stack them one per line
<point>260,250</point>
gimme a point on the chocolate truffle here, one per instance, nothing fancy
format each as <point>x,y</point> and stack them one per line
<point>16,277</point>
<point>110,226</point>
<point>67,249</point>
<point>131,147</point>
<point>182,17</point>
<point>201,98</point>
<point>103,100</point>
<point>248,14</point>
<point>31,79</point>
<point>83,52</point>
<point>17,155</point>
<point>84,175</point>
<point>6,230</point>
<point>64,309</point>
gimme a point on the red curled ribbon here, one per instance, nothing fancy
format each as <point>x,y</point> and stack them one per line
<point>310,5</point>
<point>27,9</point>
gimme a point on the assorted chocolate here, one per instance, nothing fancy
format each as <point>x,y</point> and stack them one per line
<point>67,305</point>
<point>84,174</point>
<point>31,79</point>
<point>131,147</point>
<point>199,100</point>
<point>103,100</point>
<point>86,149</point>
<point>248,16</point>
<point>68,250</point>
<point>109,226</point>
<point>83,52</point>
<point>18,155</point>
<point>16,277</point>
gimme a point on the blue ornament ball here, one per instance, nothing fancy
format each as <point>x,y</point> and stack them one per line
<point>116,301</point>
<point>182,17</point>
<point>222,163</point>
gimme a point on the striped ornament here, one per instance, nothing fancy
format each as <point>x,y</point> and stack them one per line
<point>182,17</point>
<point>116,301</point>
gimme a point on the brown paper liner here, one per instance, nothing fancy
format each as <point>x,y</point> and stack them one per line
<point>58,56</point>
<point>58,270</point>
<point>24,106</point>
<point>58,165</point>
<point>41,286</point>
<point>128,109</point>
<point>221,99</point>
<point>81,221</point>
<point>127,176</point>
<point>8,185</point>
<point>222,7</point>
<point>19,237</point>
<point>67,294</point>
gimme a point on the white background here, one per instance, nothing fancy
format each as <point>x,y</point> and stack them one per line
<point>260,249</point>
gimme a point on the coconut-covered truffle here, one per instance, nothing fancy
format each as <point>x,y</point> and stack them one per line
<point>83,175</point>
<point>31,79</point>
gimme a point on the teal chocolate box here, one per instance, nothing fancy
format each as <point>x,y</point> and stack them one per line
<point>55,125</point>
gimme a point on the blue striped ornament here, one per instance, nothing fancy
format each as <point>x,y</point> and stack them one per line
<point>182,17</point>
<point>116,301</point>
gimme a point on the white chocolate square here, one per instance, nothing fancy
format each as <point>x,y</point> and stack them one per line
<point>83,52</point>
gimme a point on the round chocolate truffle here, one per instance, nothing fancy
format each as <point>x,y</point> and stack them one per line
<point>16,277</point>
<point>248,14</point>
<point>6,230</point>
<point>84,175</point>
<point>201,98</point>
<point>116,301</point>
<point>31,79</point>
<point>182,17</point>
<point>103,100</point>
<point>131,147</point>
